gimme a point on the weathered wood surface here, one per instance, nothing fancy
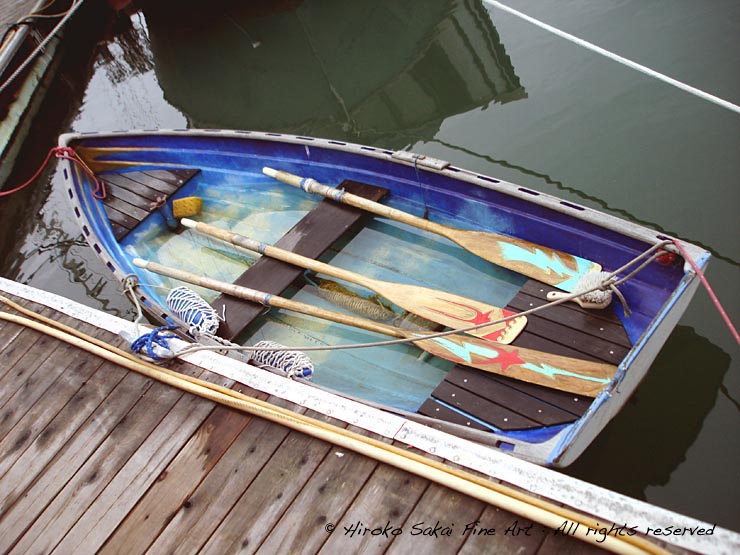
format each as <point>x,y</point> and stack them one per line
<point>96,459</point>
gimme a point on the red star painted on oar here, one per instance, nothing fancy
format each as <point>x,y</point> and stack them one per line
<point>508,358</point>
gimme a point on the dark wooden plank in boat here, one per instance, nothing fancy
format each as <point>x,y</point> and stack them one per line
<point>592,322</point>
<point>568,329</point>
<point>161,180</point>
<point>125,208</point>
<point>576,340</point>
<point>491,412</point>
<point>130,195</point>
<point>550,406</point>
<point>122,181</point>
<point>173,177</point>
<point>131,198</point>
<point>121,220</point>
<point>568,402</point>
<point>540,290</point>
<point>431,407</point>
<point>119,232</point>
<point>529,340</point>
<point>310,237</point>
<point>505,395</point>
<point>574,317</point>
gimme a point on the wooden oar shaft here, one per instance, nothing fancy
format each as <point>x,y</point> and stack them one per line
<point>267,299</point>
<point>314,187</point>
<point>442,307</point>
<point>281,254</point>
<point>551,266</point>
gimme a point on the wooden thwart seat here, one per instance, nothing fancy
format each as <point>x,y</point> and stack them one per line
<point>310,237</point>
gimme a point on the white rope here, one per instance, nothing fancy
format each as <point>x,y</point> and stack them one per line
<point>617,58</point>
<point>189,307</point>
<point>291,363</point>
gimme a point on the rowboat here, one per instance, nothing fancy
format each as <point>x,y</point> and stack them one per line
<point>465,303</point>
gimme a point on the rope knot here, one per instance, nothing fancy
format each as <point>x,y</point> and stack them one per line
<point>155,343</point>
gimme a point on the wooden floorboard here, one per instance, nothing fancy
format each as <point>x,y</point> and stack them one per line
<point>507,404</point>
<point>96,459</point>
<point>131,197</point>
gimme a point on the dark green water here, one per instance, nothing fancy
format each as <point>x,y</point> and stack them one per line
<point>488,92</point>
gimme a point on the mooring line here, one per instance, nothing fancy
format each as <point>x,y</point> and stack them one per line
<point>616,57</point>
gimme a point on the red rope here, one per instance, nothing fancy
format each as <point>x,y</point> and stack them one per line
<point>714,298</point>
<point>65,153</point>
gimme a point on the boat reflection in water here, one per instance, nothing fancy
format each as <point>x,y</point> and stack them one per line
<point>387,71</point>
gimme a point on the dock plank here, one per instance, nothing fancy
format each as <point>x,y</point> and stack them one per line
<point>503,533</point>
<point>388,496</point>
<point>45,467</point>
<point>132,482</point>
<point>269,495</point>
<point>192,464</point>
<point>194,523</point>
<point>28,416</point>
<point>324,499</point>
<point>73,500</point>
<point>443,506</point>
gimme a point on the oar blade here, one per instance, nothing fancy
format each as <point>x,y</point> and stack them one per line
<point>453,310</point>
<point>556,268</point>
<point>563,373</point>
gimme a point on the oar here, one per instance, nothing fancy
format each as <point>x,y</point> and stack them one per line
<point>550,266</point>
<point>438,306</point>
<point>558,372</point>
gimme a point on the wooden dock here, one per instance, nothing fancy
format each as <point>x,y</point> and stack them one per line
<point>98,459</point>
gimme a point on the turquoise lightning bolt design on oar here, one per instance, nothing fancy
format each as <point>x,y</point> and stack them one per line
<point>517,362</point>
<point>564,276</point>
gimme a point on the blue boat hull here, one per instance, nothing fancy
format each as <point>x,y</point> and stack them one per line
<point>236,192</point>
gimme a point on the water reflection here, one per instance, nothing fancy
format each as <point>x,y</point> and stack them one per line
<point>650,437</point>
<point>332,69</point>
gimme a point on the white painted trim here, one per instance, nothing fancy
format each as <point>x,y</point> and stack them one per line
<point>585,497</point>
